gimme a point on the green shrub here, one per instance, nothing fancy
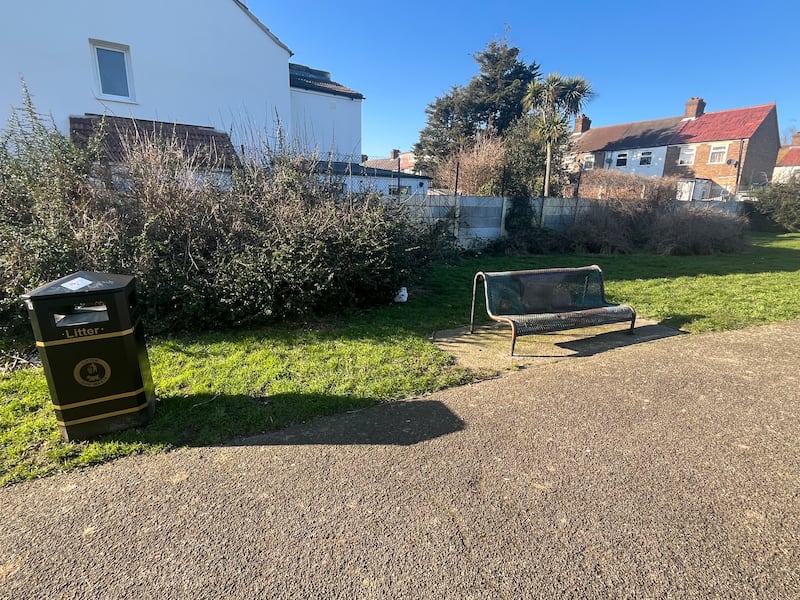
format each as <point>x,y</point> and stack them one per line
<point>51,217</point>
<point>210,248</point>
<point>523,234</point>
<point>781,203</point>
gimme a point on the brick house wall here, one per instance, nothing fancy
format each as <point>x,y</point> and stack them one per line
<point>755,156</point>
<point>722,174</point>
<point>762,152</point>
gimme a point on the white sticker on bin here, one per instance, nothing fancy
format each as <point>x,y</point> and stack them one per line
<point>76,284</point>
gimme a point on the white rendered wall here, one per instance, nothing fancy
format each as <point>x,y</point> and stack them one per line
<point>784,174</point>
<point>325,123</point>
<point>654,169</point>
<point>360,184</point>
<point>201,63</point>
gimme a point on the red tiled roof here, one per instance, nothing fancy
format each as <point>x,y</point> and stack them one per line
<point>738,123</point>
<point>721,125</point>
<point>791,158</point>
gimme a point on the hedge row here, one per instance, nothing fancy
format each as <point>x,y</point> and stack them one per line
<point>269,239</point>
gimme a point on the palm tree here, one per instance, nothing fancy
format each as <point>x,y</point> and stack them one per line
<point>553,100</point>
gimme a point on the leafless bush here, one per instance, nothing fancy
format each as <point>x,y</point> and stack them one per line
<point>625,226</point>
<point>609,184</point>
<point>480,168</point>
<point>603,228</point>
<point>691,230</point>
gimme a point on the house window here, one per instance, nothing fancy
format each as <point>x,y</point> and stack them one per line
<point>588,163</point>
<point>687,156</point>
<point>402,190</point>
<point>646,158</point>
<point>622,159</point>
<point>717,155</point>
<point>112,68</point>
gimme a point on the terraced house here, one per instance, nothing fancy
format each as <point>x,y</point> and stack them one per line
<point>715,154</point>
<point>788,166</point>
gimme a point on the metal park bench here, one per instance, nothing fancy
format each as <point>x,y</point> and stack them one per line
<point>545,300</point>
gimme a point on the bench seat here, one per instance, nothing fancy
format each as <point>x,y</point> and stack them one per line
<point>547,300</point>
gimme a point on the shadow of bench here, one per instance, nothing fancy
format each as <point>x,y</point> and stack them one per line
<point>546,300</point>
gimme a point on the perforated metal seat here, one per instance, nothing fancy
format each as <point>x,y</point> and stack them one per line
<point>545,300</point>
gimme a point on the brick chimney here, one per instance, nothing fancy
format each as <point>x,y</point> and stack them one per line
<point>796,138</point>
<point>582,124</point>
<point>694,108</point>
<point>395,154</point>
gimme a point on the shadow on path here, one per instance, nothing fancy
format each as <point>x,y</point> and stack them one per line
<point>398,424</point>
<point>489,347</point>
<point>603,342</point>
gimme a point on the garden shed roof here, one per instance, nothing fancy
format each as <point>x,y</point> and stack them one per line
<point>211,148</point>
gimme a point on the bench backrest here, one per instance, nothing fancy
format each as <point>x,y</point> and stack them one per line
<point>543,290</point>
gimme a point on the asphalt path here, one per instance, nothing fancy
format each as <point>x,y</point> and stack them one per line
<point>666,469</point>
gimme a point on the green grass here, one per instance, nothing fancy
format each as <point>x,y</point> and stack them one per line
<point>218,386</point>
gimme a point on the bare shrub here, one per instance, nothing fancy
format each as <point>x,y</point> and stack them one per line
<point>690,230</point>
<point>625,226</point>
<point>609,184</point>
<point>602,228</point>
<point>480,167</point>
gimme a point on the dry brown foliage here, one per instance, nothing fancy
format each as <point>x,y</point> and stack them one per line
<point>608,184</point>
<point>480,168</point>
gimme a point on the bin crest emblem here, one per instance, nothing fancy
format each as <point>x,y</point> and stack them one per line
<point>92,372</point>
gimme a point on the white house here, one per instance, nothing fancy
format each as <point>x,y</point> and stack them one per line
<point>788,164</point>
<point>210,64</point>
<point>326,116</point>
<point>357,179</point>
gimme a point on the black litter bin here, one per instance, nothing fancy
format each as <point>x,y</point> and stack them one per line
<point>91,342</point>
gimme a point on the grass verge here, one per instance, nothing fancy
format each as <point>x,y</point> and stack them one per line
<point>218,386</point>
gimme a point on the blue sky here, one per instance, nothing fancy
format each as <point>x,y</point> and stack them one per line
<point>644,59</point>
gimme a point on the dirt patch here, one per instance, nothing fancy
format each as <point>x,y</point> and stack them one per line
<point>488,348</point>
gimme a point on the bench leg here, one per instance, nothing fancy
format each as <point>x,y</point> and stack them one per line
<point>478,276</point>
<point>633,324</point>
<point>513,337</point>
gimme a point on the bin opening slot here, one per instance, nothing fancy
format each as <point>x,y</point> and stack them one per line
<point>81,314</point>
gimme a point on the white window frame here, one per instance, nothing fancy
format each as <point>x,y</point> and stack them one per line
<point>588,162</point>
<point>394,190</point>
<point>623,157</point>
<point>718,148</point>
<point>646,154</point>
<point>687,155</point>
<point>126,52</point>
